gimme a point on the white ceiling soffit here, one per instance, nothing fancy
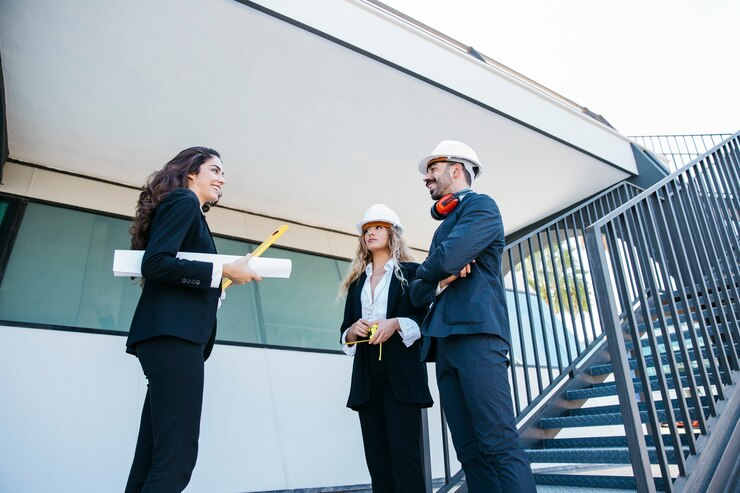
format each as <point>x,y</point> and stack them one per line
<point>309,130</point>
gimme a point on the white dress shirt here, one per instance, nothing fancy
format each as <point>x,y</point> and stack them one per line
<point>375,307</point>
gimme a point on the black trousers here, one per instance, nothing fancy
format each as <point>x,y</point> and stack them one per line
<point>474,389</point>
<point>391,435</point>
<point>167,447</point>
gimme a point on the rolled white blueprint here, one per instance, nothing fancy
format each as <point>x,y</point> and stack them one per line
<point>127,263</point>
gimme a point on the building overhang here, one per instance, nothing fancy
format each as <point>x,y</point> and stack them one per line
<point>317,113</point>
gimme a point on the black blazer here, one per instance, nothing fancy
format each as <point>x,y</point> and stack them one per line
<point>407,375</point>
<point>177,299</point>
<point>476,303</point>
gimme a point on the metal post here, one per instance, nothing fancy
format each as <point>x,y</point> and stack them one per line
<point>445,445</point>
<point>625,390</point>
<point>426,451</point>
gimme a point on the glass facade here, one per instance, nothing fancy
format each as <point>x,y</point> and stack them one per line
<point>59,273</point>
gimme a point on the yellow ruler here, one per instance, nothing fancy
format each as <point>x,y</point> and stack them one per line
<point>261,249</point>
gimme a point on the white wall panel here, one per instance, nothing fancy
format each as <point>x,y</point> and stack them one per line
<point>272,419</point>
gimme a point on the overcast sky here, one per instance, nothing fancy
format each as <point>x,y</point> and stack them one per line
<point>647,66</point>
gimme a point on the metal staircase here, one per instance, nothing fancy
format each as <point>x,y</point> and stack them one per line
<point>624,316</point>
<point>597,449</point>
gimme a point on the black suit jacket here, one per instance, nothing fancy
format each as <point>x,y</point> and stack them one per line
<point>407,375</point>
<point>475,303</point>
<point>177,299</point>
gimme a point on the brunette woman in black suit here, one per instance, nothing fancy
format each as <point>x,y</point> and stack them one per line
<point>174,326</point>
<point>389,383</point>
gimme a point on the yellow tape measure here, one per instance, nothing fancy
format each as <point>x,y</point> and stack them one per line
<point>372,330</point>
<point>261,249</point>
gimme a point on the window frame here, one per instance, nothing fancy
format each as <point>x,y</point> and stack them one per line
<point>9,227</point>
<point>13,220</point>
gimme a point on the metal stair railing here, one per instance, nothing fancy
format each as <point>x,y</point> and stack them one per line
<point>552,317</point>
<point>679,150</point>
<point>553,321</point>
<point>669,259</point>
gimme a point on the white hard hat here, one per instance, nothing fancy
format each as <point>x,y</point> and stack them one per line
<point>455,151</point>
<point>380,213</point>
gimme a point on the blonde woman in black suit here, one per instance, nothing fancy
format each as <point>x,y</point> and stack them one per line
<point>174,326</point>
<point>388,390</point>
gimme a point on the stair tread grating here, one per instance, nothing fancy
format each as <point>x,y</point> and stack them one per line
<point>601,419</point>
<point>607,368</point>
<point>610,388</point>
<point>591,481</point>
<point>603,455</point>
<point>605,441</point>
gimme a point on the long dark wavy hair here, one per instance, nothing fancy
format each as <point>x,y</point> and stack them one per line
<point>160,184</point>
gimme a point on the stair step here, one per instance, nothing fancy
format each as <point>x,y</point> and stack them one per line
<point>707,314</point>
<point>723,296</point>
<point>645,342</point>
<point>617,408</point>
<point>602,419</point>
<point>613,455</point>
<point>589,481</point>
<point>609,442</point>
<point>607,368</point>
<point>610,388</point>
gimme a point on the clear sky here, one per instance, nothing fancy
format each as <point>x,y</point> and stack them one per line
<point>647,66</point>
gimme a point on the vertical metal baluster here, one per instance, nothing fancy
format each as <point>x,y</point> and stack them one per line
<point>681,219</point>
<point>687,289</point>
<point>560,298</point>
<point>699,212</point>
<point>575,284</point>
<point>512,349</point>
<point>702,257</point>
<point>525,365</point>
<point>606,300</point>
<point>531,319</point>
<point>658,248</point>
<point>541,312</point>
<point>586,278</point>
<point>650,281</point>
<point>715,219</point>
<point>445,445</point>
<point>731,190</point>
<point>556,339</point>
<point>627,225</point>
<point>566,279</point>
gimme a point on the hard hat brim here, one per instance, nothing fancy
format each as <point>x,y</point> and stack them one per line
<point>467,162</point>
<point>396,226</point>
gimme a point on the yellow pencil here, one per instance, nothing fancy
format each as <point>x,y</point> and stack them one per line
<point>261,249</point>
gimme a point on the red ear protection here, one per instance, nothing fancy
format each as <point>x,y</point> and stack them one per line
<point>444,206</point>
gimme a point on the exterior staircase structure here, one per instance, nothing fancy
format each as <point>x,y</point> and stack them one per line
<point>626,335</point>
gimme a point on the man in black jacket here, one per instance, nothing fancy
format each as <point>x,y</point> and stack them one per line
<point>467,328</point>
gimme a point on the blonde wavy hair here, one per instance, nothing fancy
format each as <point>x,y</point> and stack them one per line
<point>400,252</point>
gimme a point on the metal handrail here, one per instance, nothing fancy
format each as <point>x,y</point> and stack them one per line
<point>608,217</point>
<point>680,149</point>
<point>668,258</point>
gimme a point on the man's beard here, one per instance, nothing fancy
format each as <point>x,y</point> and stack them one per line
<point>436,194</point>
<point>438,191</point>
